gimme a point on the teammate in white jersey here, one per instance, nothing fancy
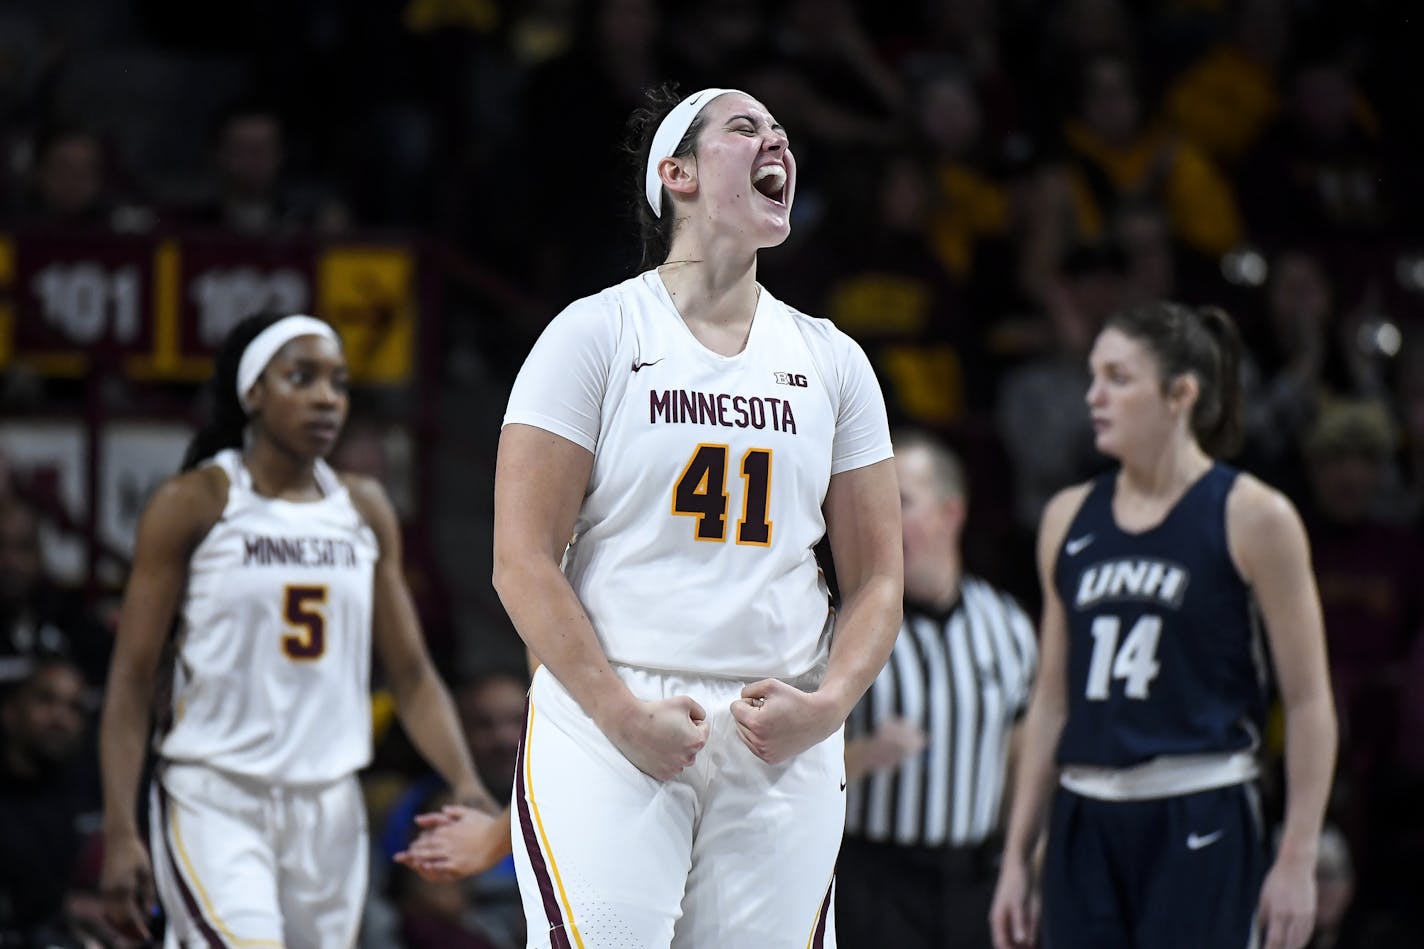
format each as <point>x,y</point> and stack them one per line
<point>279,573</point>
<point>681,780</point>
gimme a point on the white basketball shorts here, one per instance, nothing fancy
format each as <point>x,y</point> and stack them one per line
<point>732,852</point>
<point>239,862</point>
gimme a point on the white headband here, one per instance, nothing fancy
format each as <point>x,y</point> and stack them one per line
<point>265,344</point>
<point>665,141</point>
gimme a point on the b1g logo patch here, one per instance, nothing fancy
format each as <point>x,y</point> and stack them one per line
<point>791,379</point>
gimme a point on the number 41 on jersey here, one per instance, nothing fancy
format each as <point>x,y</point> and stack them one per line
<point>701,492</point>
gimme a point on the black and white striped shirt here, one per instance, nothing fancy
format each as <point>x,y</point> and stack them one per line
<point>963,679</point>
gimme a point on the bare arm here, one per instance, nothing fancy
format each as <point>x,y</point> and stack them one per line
<point>422,701</point>
<point>1012,918</point>
<point>862,506</point>
<point>181,512</point>
<point>540,480</point>
<point>1269,544</point>
<point>863,524</point>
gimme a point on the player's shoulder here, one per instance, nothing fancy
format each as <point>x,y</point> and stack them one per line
<point>373,505</point>
<point>1060,510</point>
<point>603,318</point>
<point>201,492</point>
<point>816,329</point>
<point>1058,516</point>
<point>836,355</point>
<point>368,496</point>
<point>186,506</point>
<point>1254,507</point>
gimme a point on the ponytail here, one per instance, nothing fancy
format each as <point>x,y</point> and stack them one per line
<point>1219,433</point>
<point>228,419</point>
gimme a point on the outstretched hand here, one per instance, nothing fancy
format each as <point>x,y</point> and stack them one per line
<point>455,842</point>
<point>778,721</point>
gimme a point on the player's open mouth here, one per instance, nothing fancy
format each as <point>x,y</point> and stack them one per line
<point>770,182</point>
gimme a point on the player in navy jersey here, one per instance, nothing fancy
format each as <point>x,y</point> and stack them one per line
<point>1153,685</point>
<point>271,576</point>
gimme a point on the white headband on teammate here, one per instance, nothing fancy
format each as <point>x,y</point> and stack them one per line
<point>265,344</point>
<point>665,140</point>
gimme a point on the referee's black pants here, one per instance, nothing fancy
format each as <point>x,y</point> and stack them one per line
<point>914,897</point>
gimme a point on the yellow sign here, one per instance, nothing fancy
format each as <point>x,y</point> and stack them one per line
<point>369,295</point>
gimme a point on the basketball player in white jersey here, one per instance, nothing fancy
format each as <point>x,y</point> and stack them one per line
<point>278,571</point>
<point>681,778</point>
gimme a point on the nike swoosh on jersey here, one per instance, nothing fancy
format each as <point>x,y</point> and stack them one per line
<point>643,365</point>
<point>1197,842</point>
<point>1077,544</point>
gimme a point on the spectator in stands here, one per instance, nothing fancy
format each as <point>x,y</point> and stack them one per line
<point>38,619</point>
<point>1225,101</point>
<point>1112,155</point>
<point>887,289</point>
<point>49,801</point>
<point>1371,577</point>
<point>615,57</point>
<point>928,747</point>
<point>434,914</point>
<point>1142,230</point>
<point>68,187</point>
<point>978,208</point>
<point>1322,172</point>
<point>831,75</point>
<point>1042,418</point>
<point>491,707</point>
<point>250,195</point>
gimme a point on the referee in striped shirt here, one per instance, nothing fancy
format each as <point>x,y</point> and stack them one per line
<point>928,747</point>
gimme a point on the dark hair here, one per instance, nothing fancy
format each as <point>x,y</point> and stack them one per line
<point>1201,341</point>
<point>654,233</point>
<point>227,417</point>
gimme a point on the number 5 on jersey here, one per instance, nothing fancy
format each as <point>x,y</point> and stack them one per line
<point>304,609</point>
<point>701,492</point>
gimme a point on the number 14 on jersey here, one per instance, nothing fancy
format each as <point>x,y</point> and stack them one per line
<point>701,492</point>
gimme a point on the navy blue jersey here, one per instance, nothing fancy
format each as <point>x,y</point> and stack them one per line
<point>1164,650</point>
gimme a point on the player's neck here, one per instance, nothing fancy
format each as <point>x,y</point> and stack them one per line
<point>716,301</point>
<point>1165,472</point>
<point>277,473</point>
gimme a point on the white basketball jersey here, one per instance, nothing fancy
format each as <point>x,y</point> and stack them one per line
<point>272,678</point>
<point>692,550</point>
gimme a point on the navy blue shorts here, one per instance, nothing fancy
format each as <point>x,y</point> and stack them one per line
<point>1180,872</point>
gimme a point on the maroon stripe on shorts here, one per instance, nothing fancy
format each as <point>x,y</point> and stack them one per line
<point>818,941</point>
<point>558,936</point>
<point>189,901</point>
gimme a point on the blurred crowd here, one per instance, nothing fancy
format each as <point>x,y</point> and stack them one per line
<point>980,184</point>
